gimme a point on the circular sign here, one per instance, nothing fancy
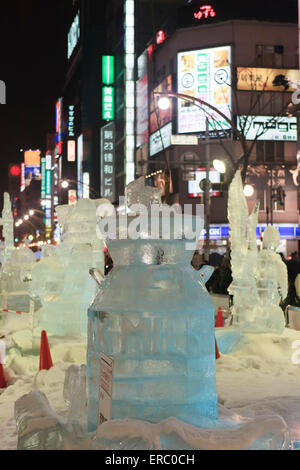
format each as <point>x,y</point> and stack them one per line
<point>221,76</point>
<point>187,80</point>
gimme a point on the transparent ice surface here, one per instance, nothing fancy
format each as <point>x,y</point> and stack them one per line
<point>41,428</point>
<point>257,275</point>
<point>154,315</point>
<point>61,279</point>
<point>75,395</point>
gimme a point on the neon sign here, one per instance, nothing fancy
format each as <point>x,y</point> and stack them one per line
<point>160,37</point>
<point>205,12</point>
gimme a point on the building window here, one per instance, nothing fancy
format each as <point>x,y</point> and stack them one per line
<point>269,151</point>
<point>269,56</point>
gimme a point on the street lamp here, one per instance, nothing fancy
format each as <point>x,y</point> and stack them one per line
<point>64,184</point>
<point>248,190</point>
<point>219,165</point>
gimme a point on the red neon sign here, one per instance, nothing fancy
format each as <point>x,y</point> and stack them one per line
<point>205,12</point>
<point>160,37</point>
<point>15,170</point>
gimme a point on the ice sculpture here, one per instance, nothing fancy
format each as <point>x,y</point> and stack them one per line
<point>154,315</point>
<point>7,222</point>
<point>61,279</point>
<point>137,193</point>
<point>257,275</point>
<point>40,428</point>
<point>242,236</point>
<point>272,284</point>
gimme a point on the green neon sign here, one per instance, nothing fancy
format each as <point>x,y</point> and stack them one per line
<point>108,74</point>
<point>108,103</point>
<point>43,178</point>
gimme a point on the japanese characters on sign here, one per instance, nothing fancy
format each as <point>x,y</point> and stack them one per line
<point>262,79</point>
<point>71,119</point>
<point>108,101</point>
<point>205,12</point>
<point>108,111</point>
<point>108,161</point>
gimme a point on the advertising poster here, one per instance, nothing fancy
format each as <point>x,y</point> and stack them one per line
<point>262,79</point>
<point>160,117</point>
<point>142,133</point>
<point>204,74</point>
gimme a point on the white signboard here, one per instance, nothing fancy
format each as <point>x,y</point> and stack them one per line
<point>194,189</point>
<point>73,35</point>
<point>160,140</point>
<point>204,74</point>
<point>268,127</point>
<point>105,388</point>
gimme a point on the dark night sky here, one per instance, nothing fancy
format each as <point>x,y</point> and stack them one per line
<point>32,63</point>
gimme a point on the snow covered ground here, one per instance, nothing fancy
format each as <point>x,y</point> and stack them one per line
<point>261,377</point>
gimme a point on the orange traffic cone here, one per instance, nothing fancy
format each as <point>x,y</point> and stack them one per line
<point>219,320</point>
<point>3,383</point>
<point>217,350</point>
<point>45,355</point>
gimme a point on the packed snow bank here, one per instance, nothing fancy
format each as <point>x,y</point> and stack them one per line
<point>260,378</point>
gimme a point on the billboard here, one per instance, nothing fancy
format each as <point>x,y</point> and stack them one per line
<point>194,189</point>
<point>281,128</point>
<point>32,157</point>
<point>142,132</point>
<point>73,35</point>
<point>160,140</point>
<point>160,117</point>
<point>204,74</point>
<point>261,79</point>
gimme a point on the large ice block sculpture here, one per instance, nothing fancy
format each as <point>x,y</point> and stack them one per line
<point>154,315</point>
<point>61,279</point>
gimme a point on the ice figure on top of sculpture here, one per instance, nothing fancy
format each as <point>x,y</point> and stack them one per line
<point>272,284</point>
<point>154,315</point>
<point>243,246</point>
<point>61,279</point>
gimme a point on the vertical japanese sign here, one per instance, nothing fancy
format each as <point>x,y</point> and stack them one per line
<point>108,161</point>
<point>108,101</point>
<point>79,165</point>
<point>71,121</point>
<point>48,204</point>
<point>43,178</point>
<point>105,388</point>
